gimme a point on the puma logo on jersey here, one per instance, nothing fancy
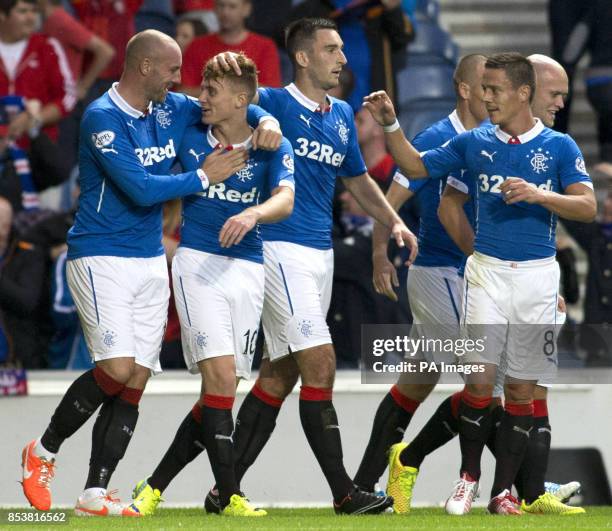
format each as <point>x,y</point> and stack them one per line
<point>196,155</point>
<point>311,149</point>
<point>488,155</point>
<point>307,120</point>
<point>150,155</point>
<point>109,150</point>
<point>220,191</point>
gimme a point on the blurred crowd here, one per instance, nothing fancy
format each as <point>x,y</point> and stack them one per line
<point>57,56</point>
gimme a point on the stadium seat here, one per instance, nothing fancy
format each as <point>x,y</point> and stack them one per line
<point>422,113</point>
<point>428,8</point>
<point>432,45</point>
<point>418,82</point>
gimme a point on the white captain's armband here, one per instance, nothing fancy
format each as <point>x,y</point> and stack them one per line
<point>401,179</point>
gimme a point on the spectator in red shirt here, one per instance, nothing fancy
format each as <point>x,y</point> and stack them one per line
<point>76,40</point>
<point>187,29</point>
<point>34,67</point>
<point>232,36</point>
<point>113,21</point>
<point>202,10</point>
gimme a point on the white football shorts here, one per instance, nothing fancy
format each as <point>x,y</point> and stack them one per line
<point>123,306</point>
<point>219,301</point>
<point>513,307</point>
<point>297,297</point>
<point>435,295</point>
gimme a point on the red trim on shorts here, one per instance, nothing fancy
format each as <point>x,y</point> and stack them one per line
<point>218,402</point>
<point>455,401</point>
<point>519,410</point>
<point>131,395</point>
<point>107,383</point>
<point>407,404</point>
<point>315,394</point>
<point>540,408</point>
<point>196,412</point>
<point>477,402</point>
<point>266,398</point>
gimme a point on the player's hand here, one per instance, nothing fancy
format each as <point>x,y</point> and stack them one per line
<point>515,189</point>
<point>380,107</point>
<point>384,277</point>
<point>220,164</point>
<point>236,227</point>
<point>561,307</point>
<point>226,61</point>
<point>404,237</point>
<point>267,136</point>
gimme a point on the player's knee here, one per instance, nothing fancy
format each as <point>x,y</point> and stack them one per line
<point>518,393</point>
<point>277,386</point>
<point>318,366</point>
<point>139,377</point>
<point>119,369</point>
<point>415,391</point>
<point>540,393</point>
<point>480,389</point>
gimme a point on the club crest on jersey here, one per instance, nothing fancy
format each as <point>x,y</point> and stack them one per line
<point>288,162</point>
<point>580,165</point>
<point>246,173</point>
<point>109,338</point>
<point>162,115</point>
<point>305,327</point>
<point>539,159</point>
<point>343,131</point>
<point>201,339</point>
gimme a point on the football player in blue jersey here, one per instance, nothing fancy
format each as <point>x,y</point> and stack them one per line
<point>116,269</point>
<point>434,291</point>
<point>551,90</point>
<point>527,175</point>
<point>298,260</point>
<point>219,275</point>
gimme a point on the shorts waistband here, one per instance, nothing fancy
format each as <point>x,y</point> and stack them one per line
<point>497,263</point>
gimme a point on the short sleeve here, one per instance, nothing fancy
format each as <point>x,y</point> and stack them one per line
<point>353,164</point>
<point>572,168</point>
<point>448,158</point>
<point>282,167</point>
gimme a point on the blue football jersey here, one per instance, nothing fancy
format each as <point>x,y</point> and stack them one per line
<point>205,213</point>
<point>125,158</point>
<point>436,248</point>
<point>550,160</point>
<point>325,147</point>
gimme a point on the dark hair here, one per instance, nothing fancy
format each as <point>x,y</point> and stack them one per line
<point>6,6</point>
<point>247,79</point>
<point>517,67</point>
<point>199,28</point>
<point>300,33</point>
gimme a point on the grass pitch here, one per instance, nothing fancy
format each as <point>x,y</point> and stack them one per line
<point>290,519</point>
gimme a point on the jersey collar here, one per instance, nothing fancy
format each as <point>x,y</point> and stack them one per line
<point>456,122</point>
<point>213,142</point>
<point>124,105</point>
<point>525,137</point>
<point>305,101</point>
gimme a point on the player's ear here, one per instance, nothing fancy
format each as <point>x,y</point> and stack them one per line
<point>242,100</point>
<point>301,58</point>
<point>464,90</point>
<point>524,93</point>
<point>145,66</point>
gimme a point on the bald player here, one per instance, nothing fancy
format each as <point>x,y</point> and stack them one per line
<point>116,268</point>
<point>551,91</point>
<point>434,291</point>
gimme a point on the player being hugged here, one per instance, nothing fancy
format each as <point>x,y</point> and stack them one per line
<point>117,273</point>
<point>525,175</point>
<point>218,270</point>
